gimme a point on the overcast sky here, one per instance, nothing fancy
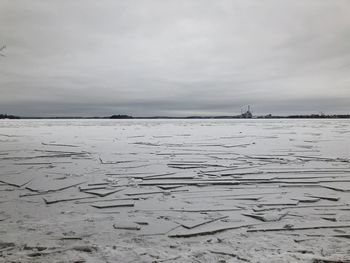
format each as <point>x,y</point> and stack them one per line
<point>174,57</point>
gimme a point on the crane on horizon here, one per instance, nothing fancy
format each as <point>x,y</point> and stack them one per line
<point>246,114</point>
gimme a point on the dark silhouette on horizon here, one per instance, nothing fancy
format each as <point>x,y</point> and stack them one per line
<point>241,116</point>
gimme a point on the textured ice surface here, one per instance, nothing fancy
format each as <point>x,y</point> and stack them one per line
<point>176,173</point>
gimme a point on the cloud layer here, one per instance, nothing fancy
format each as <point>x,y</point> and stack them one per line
<point>165,57</point>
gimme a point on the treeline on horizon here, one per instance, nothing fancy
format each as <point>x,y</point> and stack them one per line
<point>124,116</point>
<point>319,116</point>
<point>6,116</point>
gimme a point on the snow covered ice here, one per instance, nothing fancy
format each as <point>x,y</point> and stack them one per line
<point>175,190</point>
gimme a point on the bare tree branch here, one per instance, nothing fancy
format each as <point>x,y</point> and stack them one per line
<point>1,49</point>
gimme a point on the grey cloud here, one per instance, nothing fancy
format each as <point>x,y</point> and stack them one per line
<point>186,57</point>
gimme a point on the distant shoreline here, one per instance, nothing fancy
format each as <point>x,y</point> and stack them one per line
<point>127,117</point>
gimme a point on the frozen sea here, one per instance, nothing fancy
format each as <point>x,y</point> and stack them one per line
<point>250,190</point>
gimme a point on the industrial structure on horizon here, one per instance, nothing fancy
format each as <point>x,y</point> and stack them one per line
<point>247,114</point>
